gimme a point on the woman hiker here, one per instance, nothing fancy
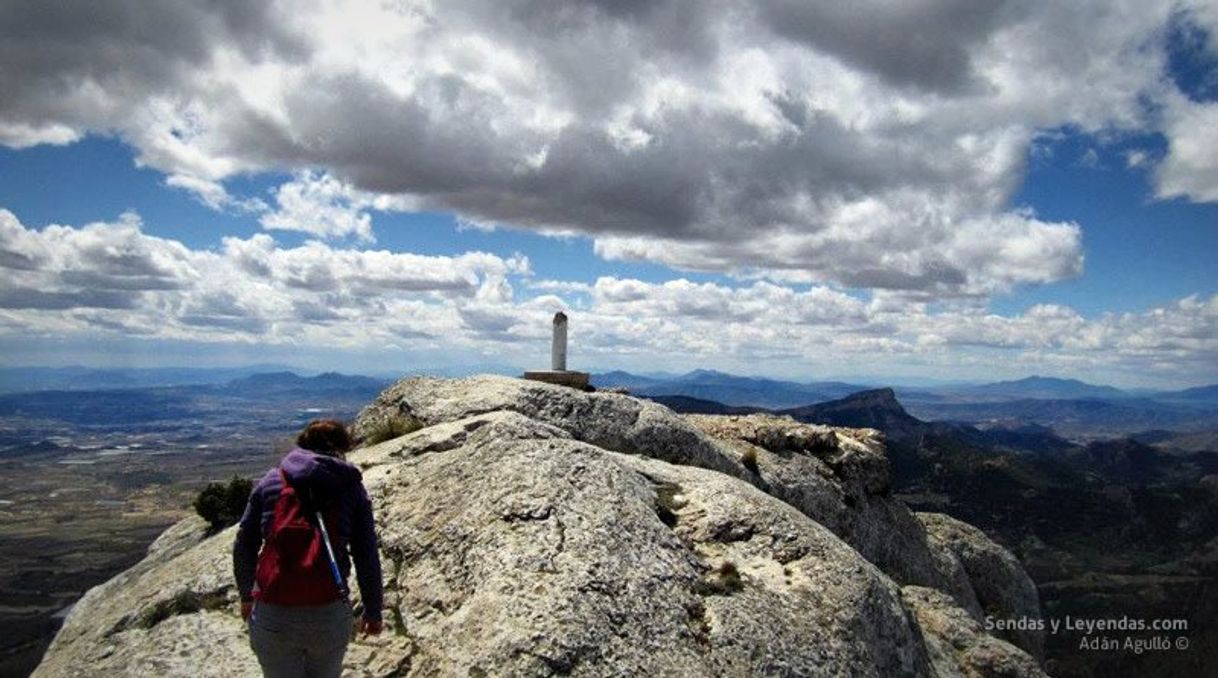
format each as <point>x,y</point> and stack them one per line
<point>305,522</point>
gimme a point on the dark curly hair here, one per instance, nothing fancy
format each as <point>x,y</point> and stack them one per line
<point>325,436</point>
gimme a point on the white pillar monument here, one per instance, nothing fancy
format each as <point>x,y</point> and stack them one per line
<point>558,372</point>
<point>558,344</point>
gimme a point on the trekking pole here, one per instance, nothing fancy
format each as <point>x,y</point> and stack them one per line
<point>325,538</point>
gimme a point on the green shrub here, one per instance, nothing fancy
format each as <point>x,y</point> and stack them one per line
<point>721,581</point>
<point>748,459</point>
<point>221,504</point>
<point>729,576</point>
<point>389,428</point>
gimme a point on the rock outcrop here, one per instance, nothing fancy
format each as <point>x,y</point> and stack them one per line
<point>529,529</point>
<point>957,644</point>
<point>1002,588</point>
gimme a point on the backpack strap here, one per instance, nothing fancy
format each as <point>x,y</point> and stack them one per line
<point>316,517</point>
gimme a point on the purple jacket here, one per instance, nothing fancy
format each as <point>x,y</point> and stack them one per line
<point>353,534</point>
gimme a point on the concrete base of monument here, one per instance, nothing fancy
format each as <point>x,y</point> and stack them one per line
<point>562,378</point>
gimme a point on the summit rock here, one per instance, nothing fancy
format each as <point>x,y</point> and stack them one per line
<point>530,529</point>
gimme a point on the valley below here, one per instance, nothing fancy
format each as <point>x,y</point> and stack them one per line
<point>93,477</point>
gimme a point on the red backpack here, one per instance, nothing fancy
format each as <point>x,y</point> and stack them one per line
<point>293,567</point>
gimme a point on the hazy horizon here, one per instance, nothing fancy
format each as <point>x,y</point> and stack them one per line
<point>457,370</point>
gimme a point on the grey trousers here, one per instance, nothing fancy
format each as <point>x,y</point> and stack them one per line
<point>295,641</point>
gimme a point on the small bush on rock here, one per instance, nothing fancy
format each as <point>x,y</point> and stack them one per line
<point>221,504</point>
<point>729,576</point>
<point>749,459</point>
<point>389,428</point>
<point>722,580</point>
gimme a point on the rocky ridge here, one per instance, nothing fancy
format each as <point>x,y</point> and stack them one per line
<point>529,529</point>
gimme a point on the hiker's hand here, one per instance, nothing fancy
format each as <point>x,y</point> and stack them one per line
<point>371,628</point>
<point>247,608</point>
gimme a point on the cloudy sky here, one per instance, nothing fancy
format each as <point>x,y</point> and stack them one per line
<point>924,189</point>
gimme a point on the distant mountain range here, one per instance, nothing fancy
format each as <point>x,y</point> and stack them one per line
<point>25,379</point>
<point>1039,387</point>
<point>708,384</point>
<point>1082,418</point>
<point>1070,407</point>
<point>22,379</point>
<point>278,384</point>
<point>936,454</point>
<point>123,407</point>
<point>1207,394</point>
<point>729,389</point>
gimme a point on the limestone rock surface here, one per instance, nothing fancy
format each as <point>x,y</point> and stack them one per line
<point>530,529</point>
<point>958,645</point>
<point>607,420</point>
<point>1002,587</point>
<point>840,478</point>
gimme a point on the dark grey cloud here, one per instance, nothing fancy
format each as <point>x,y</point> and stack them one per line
<point>311,311</point>
<point>118,53</point>
<point>937,276</point>
<point>917,43</point>
<point>59,300</point>
<point>232,323</point>
<point>489,321</point>
<point>106,280</point>
<point>20,261</point>
<point>120,322</point>
<point>594,54</point>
